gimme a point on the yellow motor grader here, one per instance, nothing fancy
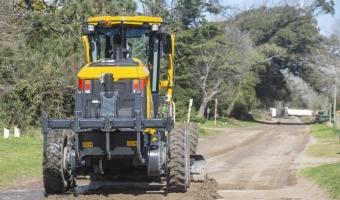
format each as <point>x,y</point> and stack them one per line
<point>123,116</point>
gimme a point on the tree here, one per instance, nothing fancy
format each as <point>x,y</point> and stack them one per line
<point>11,38</point>
<point>290,28</point>
<point>322,67</point>
<point>182,14</point>
<point>322,6</point>
<point>213,59</point>
<point>51,54</point>
<point>156,8</point>
<point>195,64</point>
<point>210,75</point>
<point>285,39</point>
<point>245,60</point>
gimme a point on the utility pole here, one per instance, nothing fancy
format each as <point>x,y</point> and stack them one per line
<point>215,109</point>
<point>174,110</point>
<point>190,105</point>
<point>330,112</point>
<point>334,106</point>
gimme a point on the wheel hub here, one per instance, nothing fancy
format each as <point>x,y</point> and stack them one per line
<point>66,161</point>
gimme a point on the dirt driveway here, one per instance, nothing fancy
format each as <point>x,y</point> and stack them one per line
<point>259,162</point>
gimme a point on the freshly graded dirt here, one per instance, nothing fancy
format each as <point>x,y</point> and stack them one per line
<point>261,162</point>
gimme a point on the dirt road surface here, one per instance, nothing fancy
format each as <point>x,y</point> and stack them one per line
<point>261,162</point>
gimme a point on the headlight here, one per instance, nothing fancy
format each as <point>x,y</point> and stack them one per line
<point>90,28</point>
<point>154,27</point>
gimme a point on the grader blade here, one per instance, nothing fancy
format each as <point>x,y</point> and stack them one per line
<point>198,168</point>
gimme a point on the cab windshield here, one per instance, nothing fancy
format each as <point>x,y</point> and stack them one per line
<point>133,46</point>
<point>124,42</point>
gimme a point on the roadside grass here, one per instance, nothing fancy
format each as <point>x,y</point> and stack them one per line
<point>328,141</point>
<point>204,129</point>
<point>20,158</point>
<point>322,131</point>
<point>207,132</point>
<point>227,123</point>
<point>331,149</point>
<point>327,176</point>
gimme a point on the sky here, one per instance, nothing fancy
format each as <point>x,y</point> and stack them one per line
<point>325,22</point>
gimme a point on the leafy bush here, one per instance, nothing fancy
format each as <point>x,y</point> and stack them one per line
<point>26,102</point>
<point>197,119</point>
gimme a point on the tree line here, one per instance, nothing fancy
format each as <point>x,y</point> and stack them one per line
<point>254,59</point>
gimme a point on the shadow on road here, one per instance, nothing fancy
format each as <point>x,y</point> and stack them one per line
<point>279,122</point>
<point>107,188</point>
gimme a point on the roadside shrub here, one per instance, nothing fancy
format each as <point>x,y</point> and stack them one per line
<point>24,105</point>
<point>18,106</point>
<point>197,119</point>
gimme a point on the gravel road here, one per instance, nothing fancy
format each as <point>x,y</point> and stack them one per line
<point>261,162</point>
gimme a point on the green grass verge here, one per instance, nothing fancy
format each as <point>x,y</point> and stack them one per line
<point>228,123</point>
<point>326,176</point>
<point>207,132</point>
<point>225,123</point>
<point>20,158</point>
<point>328,141</point>
<point>331,149</point>
<point>321,131</point>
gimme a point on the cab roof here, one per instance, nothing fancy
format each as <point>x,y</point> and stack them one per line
<point>126,19</point>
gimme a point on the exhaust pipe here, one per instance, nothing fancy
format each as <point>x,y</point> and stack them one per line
<point>108,85</point>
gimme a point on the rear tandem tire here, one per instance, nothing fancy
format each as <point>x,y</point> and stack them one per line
<point>56,178</point>
<point>193,137</point>
<point>178,160</point>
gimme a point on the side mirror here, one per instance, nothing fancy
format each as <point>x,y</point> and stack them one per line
<point>87,29</point>
<point>167,46</point>
<point>162,30</point>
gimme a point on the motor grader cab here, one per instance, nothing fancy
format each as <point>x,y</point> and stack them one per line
<point>123,116</point>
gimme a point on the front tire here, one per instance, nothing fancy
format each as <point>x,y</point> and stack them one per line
<point>193,137</point>
<point>57,175</point>
<point>178,160</point>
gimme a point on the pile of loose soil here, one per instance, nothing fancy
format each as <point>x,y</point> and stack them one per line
<point>208,190</point>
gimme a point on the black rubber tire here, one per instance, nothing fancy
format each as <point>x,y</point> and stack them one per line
<point>193,137</point>
<point>178,160</point>
<point>56,178</point>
